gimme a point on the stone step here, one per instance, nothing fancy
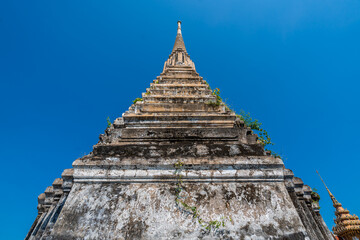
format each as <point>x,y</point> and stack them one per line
<point>178,92</point>
<point>179,99</point>
<point>190,77</point>
<point>179,68</point>
<point>180,65</point>
<point>180,72</point>
<point>146,118</point>
<point>195,114</point>
<point>180,81</point>
<point>175,85</point>
<point>182,124</point>
<point>179,107</point>
<point>181,133</point>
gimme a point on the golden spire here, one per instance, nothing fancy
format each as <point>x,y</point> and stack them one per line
<point>347,226</point>
<point>335,202</point>
<point>179,41</point>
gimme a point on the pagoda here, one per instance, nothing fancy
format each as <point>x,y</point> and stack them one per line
<point>179,164</point>
<point>347,226</point>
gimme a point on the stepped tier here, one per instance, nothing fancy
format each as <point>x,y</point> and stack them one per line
<point>178,165</point>
<point>172,107</point>
<point>178,106</point>
<point>187,101</point>
<point>179,99</point>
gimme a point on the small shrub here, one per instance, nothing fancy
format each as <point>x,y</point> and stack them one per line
<point>137,100</point>
<point>108,122</point>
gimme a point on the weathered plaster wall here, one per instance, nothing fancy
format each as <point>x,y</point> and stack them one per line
<point>149,211</point>
<point>134,198</point>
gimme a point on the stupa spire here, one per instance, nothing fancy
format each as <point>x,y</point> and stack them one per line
<point>178,164</point>
<point>179,41</point>
<point>347,226</point>
<point>179,58</point>
<point>333,199</point>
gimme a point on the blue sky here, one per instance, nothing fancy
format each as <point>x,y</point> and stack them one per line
<point>65,66</point>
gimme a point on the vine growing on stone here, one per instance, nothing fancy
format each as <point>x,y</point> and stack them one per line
<point>108,122</point>
<point>208,225</point>
<point>315,195</point>
<point>215,92</point>
<point>263,136</point>
<point>254,124</point>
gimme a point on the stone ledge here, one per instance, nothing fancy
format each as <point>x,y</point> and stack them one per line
<point>137,180</point>
<point>192,170</point>
<point>240,162</point>
<point>178,149</point>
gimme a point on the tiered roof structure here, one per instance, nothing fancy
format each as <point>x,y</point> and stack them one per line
<point>347,226</point>
<point>178,165</point>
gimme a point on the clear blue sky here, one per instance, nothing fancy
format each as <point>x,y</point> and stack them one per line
<point>65,66</point>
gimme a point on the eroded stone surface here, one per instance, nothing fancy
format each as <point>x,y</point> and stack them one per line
<point>149,211</point>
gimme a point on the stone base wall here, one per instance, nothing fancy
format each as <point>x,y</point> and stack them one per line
<point>149,211</point>
<point>138,198</point>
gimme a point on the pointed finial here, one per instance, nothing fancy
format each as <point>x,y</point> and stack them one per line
<point>179,27</point>
<point>330,194</point>
<point>323,183</point>
<point>179,42</point>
